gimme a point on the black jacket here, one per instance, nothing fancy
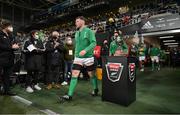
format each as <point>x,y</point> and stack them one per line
<point>54,56</point>
<point>68,50</point>
<point>105,50</point>
<point>34,59</point>
<point>6,51</point>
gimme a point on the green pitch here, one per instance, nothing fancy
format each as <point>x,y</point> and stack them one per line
<point>157,92</point>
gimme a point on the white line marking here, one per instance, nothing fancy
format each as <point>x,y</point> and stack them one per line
<point>27,102</point>
<point>49,112</point>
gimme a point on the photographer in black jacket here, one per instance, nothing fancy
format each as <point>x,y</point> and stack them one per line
<point>54,59</point>
<point>33,61</point>
<point>7,47</point>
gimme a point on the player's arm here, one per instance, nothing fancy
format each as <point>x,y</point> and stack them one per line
<point>111,51</point>
<point>92,40</point>
<point>125,46</point>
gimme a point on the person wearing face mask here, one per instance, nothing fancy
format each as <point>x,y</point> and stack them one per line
<point>7,47</point>
<point>33,49</point>
<point>105,48</point>
<point>69,56</point>
<point>118,46</point>
<point>54,59</point>
<point>116,34</point>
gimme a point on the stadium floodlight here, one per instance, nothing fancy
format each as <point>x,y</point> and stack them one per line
<point>164,37</point>
<point>171,43</point>
<point>173,46</point>
<point>166,41</point>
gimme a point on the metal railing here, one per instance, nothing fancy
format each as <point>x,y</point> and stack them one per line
<point>119,23</point>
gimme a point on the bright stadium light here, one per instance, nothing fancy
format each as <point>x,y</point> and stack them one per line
<point>164,37</point>
<point>171,43</point>
<point>173,46</point>
<point>166,41</point>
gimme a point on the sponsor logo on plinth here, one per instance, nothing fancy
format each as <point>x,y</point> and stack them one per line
<point>114,71</point>
<point>132,68</point>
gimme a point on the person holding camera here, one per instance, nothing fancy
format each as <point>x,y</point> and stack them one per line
<point>7,47</point>
<point>54,60</point>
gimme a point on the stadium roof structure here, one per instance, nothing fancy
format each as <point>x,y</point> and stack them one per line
<point>34,5</point>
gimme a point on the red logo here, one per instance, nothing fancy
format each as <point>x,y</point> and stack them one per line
<point>114,71</point>
<point>132,68</point>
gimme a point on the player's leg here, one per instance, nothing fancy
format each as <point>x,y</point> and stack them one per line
<point>93,78</point>
<point>157,63</point>
<point>152,61</point>
<point>89,63</point>
<point>74,79</point>
<point>141,63</point>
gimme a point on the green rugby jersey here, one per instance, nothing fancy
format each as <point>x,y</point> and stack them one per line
<point>114,46</point>
<point>85,40</point>
<point>142,51</point>
<point>154,51</point>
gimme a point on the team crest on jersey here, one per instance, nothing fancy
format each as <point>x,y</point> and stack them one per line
<point>132,68</point>
<point>114,71</point>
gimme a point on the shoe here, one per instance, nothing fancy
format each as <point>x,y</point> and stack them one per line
<point>29,89</point>
<point>1,90</point>
<point>10,93</point>
<point>65,98</point>
<point>69,75</point>
<point>49,87</point>
<point>37,87</point>
<point>141,70</point>
<point>95,92</point>
<point>57,86</point>
<point>64,83</point>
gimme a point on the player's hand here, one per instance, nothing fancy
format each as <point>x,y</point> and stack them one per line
<point>82,53</point>
<point>56,44</point>
<point>15,46</point>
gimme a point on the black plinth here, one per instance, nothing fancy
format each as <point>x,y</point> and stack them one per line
<point>119,80</point>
